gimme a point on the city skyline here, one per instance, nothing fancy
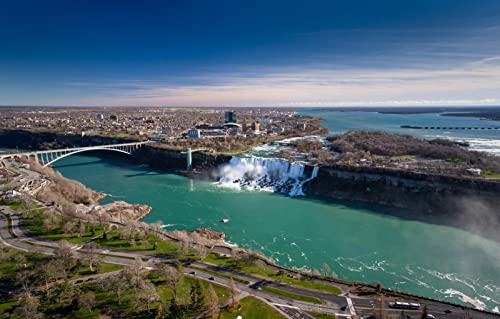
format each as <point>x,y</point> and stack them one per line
<point>251,54</point>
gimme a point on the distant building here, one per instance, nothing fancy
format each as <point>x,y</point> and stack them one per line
<point>265,121</point>
<point>302,126</point>
<point>256,126</point>
<point>474,171</point>
<point>278,130</point>
<point>99,116</point>
<point>230,117</point>
<point>213,133</point>
<point>166,130</point>
<point>194,133</point>
<point>113,117</point>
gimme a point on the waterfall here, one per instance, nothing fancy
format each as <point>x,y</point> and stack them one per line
<point>266,174</point>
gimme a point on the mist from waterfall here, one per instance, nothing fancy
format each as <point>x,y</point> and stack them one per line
<point>265,174</point>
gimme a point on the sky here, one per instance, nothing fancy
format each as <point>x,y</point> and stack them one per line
<point>250,53</point>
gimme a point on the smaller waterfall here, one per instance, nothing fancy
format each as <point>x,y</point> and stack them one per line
<point>266,174</point>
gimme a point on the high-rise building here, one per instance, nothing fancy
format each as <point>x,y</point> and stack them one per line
<point>230,117</point>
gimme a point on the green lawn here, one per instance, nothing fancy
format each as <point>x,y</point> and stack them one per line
<point>164,247</point>
<point>166,293</point>
<point>319,315</point>
<point>14,260</point>
<point>491,175</point>
<point>405,156</point>
<point>291,295</point>
<point>252,308</point>
<point>7,304</point>
<point>33,222</point>
<point>84,269</point>
<point>9,266</point>
<point>16,205</point>
<point>260,270</point>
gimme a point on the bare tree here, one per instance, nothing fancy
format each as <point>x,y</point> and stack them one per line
<point>144,239</point>
<point>233,291</point>
<point>147,295</point>
<point>185,243</point>
<point>135,274</point>
<point>51,271</point>
<point>87,300</point>
<point>157,228</point>
<point>51,220</point>
<point>120,285</point>
<point>64,253</point>
<point>92,251</point>
<point>173,277</point>
<point>326,269</point>
<point>69,227</point>
<point>81,228</point>
<point>26,280</point>
<point>212,302</point>
<point>27,306</point>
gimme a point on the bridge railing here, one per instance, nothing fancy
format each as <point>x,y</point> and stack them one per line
<point>73,149</point>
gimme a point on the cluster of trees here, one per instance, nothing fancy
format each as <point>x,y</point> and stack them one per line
<point>49,275</point>
<point>387,144</point>
<point>62,190</point>
<point>135,288</point>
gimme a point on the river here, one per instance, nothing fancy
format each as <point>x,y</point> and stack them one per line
<point>358,243</point>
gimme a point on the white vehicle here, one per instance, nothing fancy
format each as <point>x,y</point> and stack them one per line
<point>404,305</point>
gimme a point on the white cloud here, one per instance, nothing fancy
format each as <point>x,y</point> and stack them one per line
<point>474,83</point>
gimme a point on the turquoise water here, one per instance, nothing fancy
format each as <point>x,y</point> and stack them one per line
<point>358,243</point>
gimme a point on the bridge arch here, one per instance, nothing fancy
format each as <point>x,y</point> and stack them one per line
<point>86,150</point>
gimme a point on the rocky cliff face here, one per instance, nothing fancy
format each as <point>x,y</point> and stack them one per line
<point>471,204</point>
<point>176,161</point>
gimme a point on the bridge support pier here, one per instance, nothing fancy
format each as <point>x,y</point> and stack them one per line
<point>189,159</point>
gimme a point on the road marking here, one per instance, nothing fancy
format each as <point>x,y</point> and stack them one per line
<point>351,306</point>
<point>285,306</point>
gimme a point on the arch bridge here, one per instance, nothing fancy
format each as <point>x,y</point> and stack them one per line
<point>48,157</point>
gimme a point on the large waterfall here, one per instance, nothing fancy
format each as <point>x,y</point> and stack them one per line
<point>268,174</point>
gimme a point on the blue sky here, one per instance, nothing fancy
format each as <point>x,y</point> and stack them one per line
<point>250,53</point>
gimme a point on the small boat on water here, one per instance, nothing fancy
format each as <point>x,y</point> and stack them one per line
<point>225,221</point>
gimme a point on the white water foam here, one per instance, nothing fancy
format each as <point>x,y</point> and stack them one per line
<point>476,303</point>
<point>491,146</point>
<point>265,174</point>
